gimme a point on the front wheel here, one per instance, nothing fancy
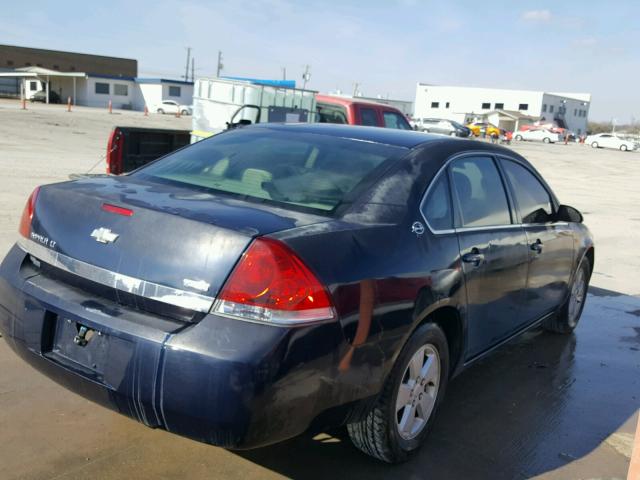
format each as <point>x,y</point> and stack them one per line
<point>184,112</point>
<point>594,145</point>
<point>623,148</point>
<point>160,111</point>
<point>403,415</point>
<point>546,140</point>
<point>566,319</point>
<point>519,138</point>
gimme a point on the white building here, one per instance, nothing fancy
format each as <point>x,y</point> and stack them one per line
<point>93,90</point>
<point>509,108</point>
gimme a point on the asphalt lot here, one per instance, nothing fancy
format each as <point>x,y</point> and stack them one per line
<point>543,406</point>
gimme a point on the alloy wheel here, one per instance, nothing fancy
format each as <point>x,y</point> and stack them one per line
<point>418,392</point>
<point>578,291</point>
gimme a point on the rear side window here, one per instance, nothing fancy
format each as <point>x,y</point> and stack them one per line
<point>481,197</point>
<point>368,117</point>
<point>331,113</point>
<point>394,120</point>
<point>534,201</point>
<point>437,205</point>
<point>304,170</point>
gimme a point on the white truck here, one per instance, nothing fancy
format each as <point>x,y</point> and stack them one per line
<point>220,104</point>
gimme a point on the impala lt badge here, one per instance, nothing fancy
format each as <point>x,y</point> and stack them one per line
<point>104,235</point>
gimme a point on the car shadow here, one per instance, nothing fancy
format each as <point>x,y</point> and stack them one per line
<point>536,404</point>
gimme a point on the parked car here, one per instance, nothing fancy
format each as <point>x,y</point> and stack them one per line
<point>282,277</point>
<point>358,112</point>
<point>170,106</point>
<point>442,126</point>
<point>609,140</point>
<point>539,134</point>
<point>478,128</point>
<point>41,96</point>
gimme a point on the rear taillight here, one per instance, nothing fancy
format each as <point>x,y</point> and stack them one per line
<point>27,214</point>
<point>271,284</point>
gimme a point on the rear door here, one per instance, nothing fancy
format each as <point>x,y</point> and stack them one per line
<point>493,250</point>
<point>550,243</point>
<point>368,116</point>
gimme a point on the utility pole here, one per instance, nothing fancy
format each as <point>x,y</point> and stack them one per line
<point>306,76</point>
<point>186,70</point>
<point>355,89</point>
<point>220,65</point>
<point>193,69</point>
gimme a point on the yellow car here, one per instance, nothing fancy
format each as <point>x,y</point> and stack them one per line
<point>478,127</point>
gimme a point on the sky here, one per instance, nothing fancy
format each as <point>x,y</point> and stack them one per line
<point>384,46</point>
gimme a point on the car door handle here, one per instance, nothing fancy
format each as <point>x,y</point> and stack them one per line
<point>474,257</point>
<point>537,246</point>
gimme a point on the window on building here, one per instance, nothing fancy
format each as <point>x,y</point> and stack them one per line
<point>446,105</point>
<point>56,67</point>
<point>435,104</point>
<point>499,106</point>
<point>544,107</point>
<point>550,109</point>
<point>121,89</point>
<point>486,106</point>
<point>9,63</point>
<point>575,112</point>
<point>174,91</point>
<point>102,88</point>
<point>33,85</point>
<point>524,106</point>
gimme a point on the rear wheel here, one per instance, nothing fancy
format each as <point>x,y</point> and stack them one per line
<point>594,145</point>
<point>623,148</point>
<point>160,111</point>
<point>566,320</point>
<point>184,112</point>
<point>519,138</point>
<point>403,414</point>
<point>546,140</point>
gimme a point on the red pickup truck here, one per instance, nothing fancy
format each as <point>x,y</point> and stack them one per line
<point>358,112</point>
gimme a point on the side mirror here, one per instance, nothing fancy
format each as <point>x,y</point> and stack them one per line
<point>568,214</point>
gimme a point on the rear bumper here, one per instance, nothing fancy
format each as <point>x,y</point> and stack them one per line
<point>221,381</point>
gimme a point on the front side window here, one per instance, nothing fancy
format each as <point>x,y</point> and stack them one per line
<point>174,91</point>
<point>304,170</point>
<point>394,120</point>
<point>534,201</point>
<point>102,88</point>
<point>368,117</point>
<point>328,113</point>
<point>481,198</point>
<point>437,206</point>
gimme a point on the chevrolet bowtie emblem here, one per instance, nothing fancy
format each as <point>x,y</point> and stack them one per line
<point>104,235</point>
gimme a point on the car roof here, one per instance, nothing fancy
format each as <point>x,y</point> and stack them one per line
<point>387,136</point>
<point>346,101</point>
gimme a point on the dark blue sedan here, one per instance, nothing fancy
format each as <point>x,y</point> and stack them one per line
<point>278,279</point>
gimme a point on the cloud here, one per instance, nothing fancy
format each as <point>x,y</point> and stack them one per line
<point>537,16</point>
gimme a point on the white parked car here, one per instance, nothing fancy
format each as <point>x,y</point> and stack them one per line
<point>609,140</point>
<point>539,134</point>
<point>169,106</point>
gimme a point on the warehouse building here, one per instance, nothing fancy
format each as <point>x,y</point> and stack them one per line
<point>508,109</point>
<point>13,57</point>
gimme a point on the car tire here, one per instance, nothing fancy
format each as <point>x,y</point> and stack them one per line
<point>568,316</point>
<point>519,138</point>
<point>184,112</point>
<point>160,111</point>
<point>546,140</point>
<point>623,148</point>
<point>381,434</point>
<point>594,145</point>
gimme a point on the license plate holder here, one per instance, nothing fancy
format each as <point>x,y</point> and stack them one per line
<point>81,344</point>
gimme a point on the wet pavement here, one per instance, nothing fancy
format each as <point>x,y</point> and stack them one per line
<point>543,405</point>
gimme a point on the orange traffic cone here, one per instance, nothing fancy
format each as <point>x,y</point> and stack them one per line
<point>110,107</point>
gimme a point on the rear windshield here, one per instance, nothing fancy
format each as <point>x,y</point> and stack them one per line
<point>285,167</point>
